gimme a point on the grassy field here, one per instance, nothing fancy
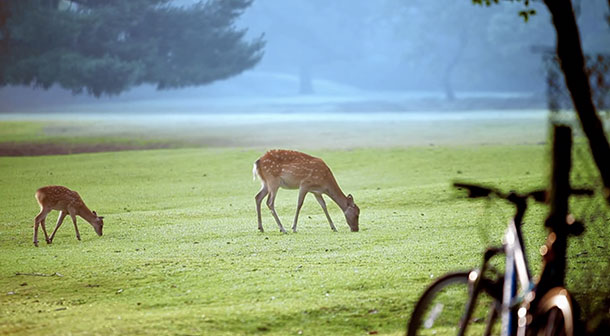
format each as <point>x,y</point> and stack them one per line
<point>181,254</point>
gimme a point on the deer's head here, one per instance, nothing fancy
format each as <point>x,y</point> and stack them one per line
<point>98,224</point>
<point>352,212</point>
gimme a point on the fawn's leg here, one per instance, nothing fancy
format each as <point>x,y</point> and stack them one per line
<point>259,198</point>
<point>40,217</point>
<point>60,219</point>
<point>302,194</point>
<point>323,205</point>
<point>271,205</point>
<point>44,230</point>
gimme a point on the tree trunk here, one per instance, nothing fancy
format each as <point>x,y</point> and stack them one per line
<point>5,13</point>
<point>608,16</point>
<point>570,54</point>
<point>553,272</point>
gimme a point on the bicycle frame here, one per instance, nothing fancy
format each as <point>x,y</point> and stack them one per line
<point>517,270</point>
<point>526,307</point>
<point>516,308</point>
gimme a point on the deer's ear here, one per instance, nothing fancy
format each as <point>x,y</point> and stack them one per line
<point>95,213</point>
<point>350,198</point>
<point>101,217</point>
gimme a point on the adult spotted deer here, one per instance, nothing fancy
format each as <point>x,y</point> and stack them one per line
<point>68,202</point>
<point>295,170</point>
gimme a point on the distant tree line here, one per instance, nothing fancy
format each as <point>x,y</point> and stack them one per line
<point>107,47</point>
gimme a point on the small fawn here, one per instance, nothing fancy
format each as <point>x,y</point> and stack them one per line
<point>68,202</point>
<point>295,170</point>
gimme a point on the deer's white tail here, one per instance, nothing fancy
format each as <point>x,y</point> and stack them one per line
<point>255,171</point>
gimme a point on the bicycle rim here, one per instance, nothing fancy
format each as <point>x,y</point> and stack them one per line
<point>442,306</point>
<point>554,316</point>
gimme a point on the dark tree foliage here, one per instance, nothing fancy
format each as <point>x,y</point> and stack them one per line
<point>108,46</point>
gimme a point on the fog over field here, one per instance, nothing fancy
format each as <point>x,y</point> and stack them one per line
<point>306,130</point>
<point>362,51</point>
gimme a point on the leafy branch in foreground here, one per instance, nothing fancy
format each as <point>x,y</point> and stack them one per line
<point>526,13</point>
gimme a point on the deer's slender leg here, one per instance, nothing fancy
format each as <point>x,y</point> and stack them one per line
<point>60,219</point>
<point>271,204</point>
<point>259,198</point>
<point>35,239</point>
<point>40,217</point>
<point>72,214</point>
<point>323,205</point>
<point>44,230</point>
<point>302,194</point>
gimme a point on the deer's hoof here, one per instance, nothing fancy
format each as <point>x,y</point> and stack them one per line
<point>49,241</point>
<point>78,237</point>
<point>36,243</point>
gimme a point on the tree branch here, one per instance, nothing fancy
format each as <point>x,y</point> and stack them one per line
<point>572,61</point>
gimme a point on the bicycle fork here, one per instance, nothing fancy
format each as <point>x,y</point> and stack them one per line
<point>476,284</point>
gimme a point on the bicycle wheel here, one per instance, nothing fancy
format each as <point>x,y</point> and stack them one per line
<point>443,305</point>
<point>554,316</point>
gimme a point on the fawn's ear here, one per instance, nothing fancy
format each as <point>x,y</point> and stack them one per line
<point>95,213</point>
<point>101,217</point>
<point>350,198</point>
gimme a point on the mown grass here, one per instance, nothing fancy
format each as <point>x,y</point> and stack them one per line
<point>181,254</point>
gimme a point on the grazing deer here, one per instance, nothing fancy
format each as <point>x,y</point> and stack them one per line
<point>295,170</point>
<point>68,202</point>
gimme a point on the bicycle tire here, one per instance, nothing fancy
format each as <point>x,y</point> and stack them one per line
<point>451,290</point>
<point>555,315</point>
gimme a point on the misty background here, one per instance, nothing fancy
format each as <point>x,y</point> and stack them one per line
<point>362,56</point>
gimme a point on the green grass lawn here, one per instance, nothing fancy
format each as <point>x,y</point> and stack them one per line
<point>181,254</point>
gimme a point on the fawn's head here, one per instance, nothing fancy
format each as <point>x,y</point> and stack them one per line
<point>98,224</point>
<point>352,212</point>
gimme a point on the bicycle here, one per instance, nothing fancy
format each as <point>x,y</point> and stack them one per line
<point>473,300</point>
